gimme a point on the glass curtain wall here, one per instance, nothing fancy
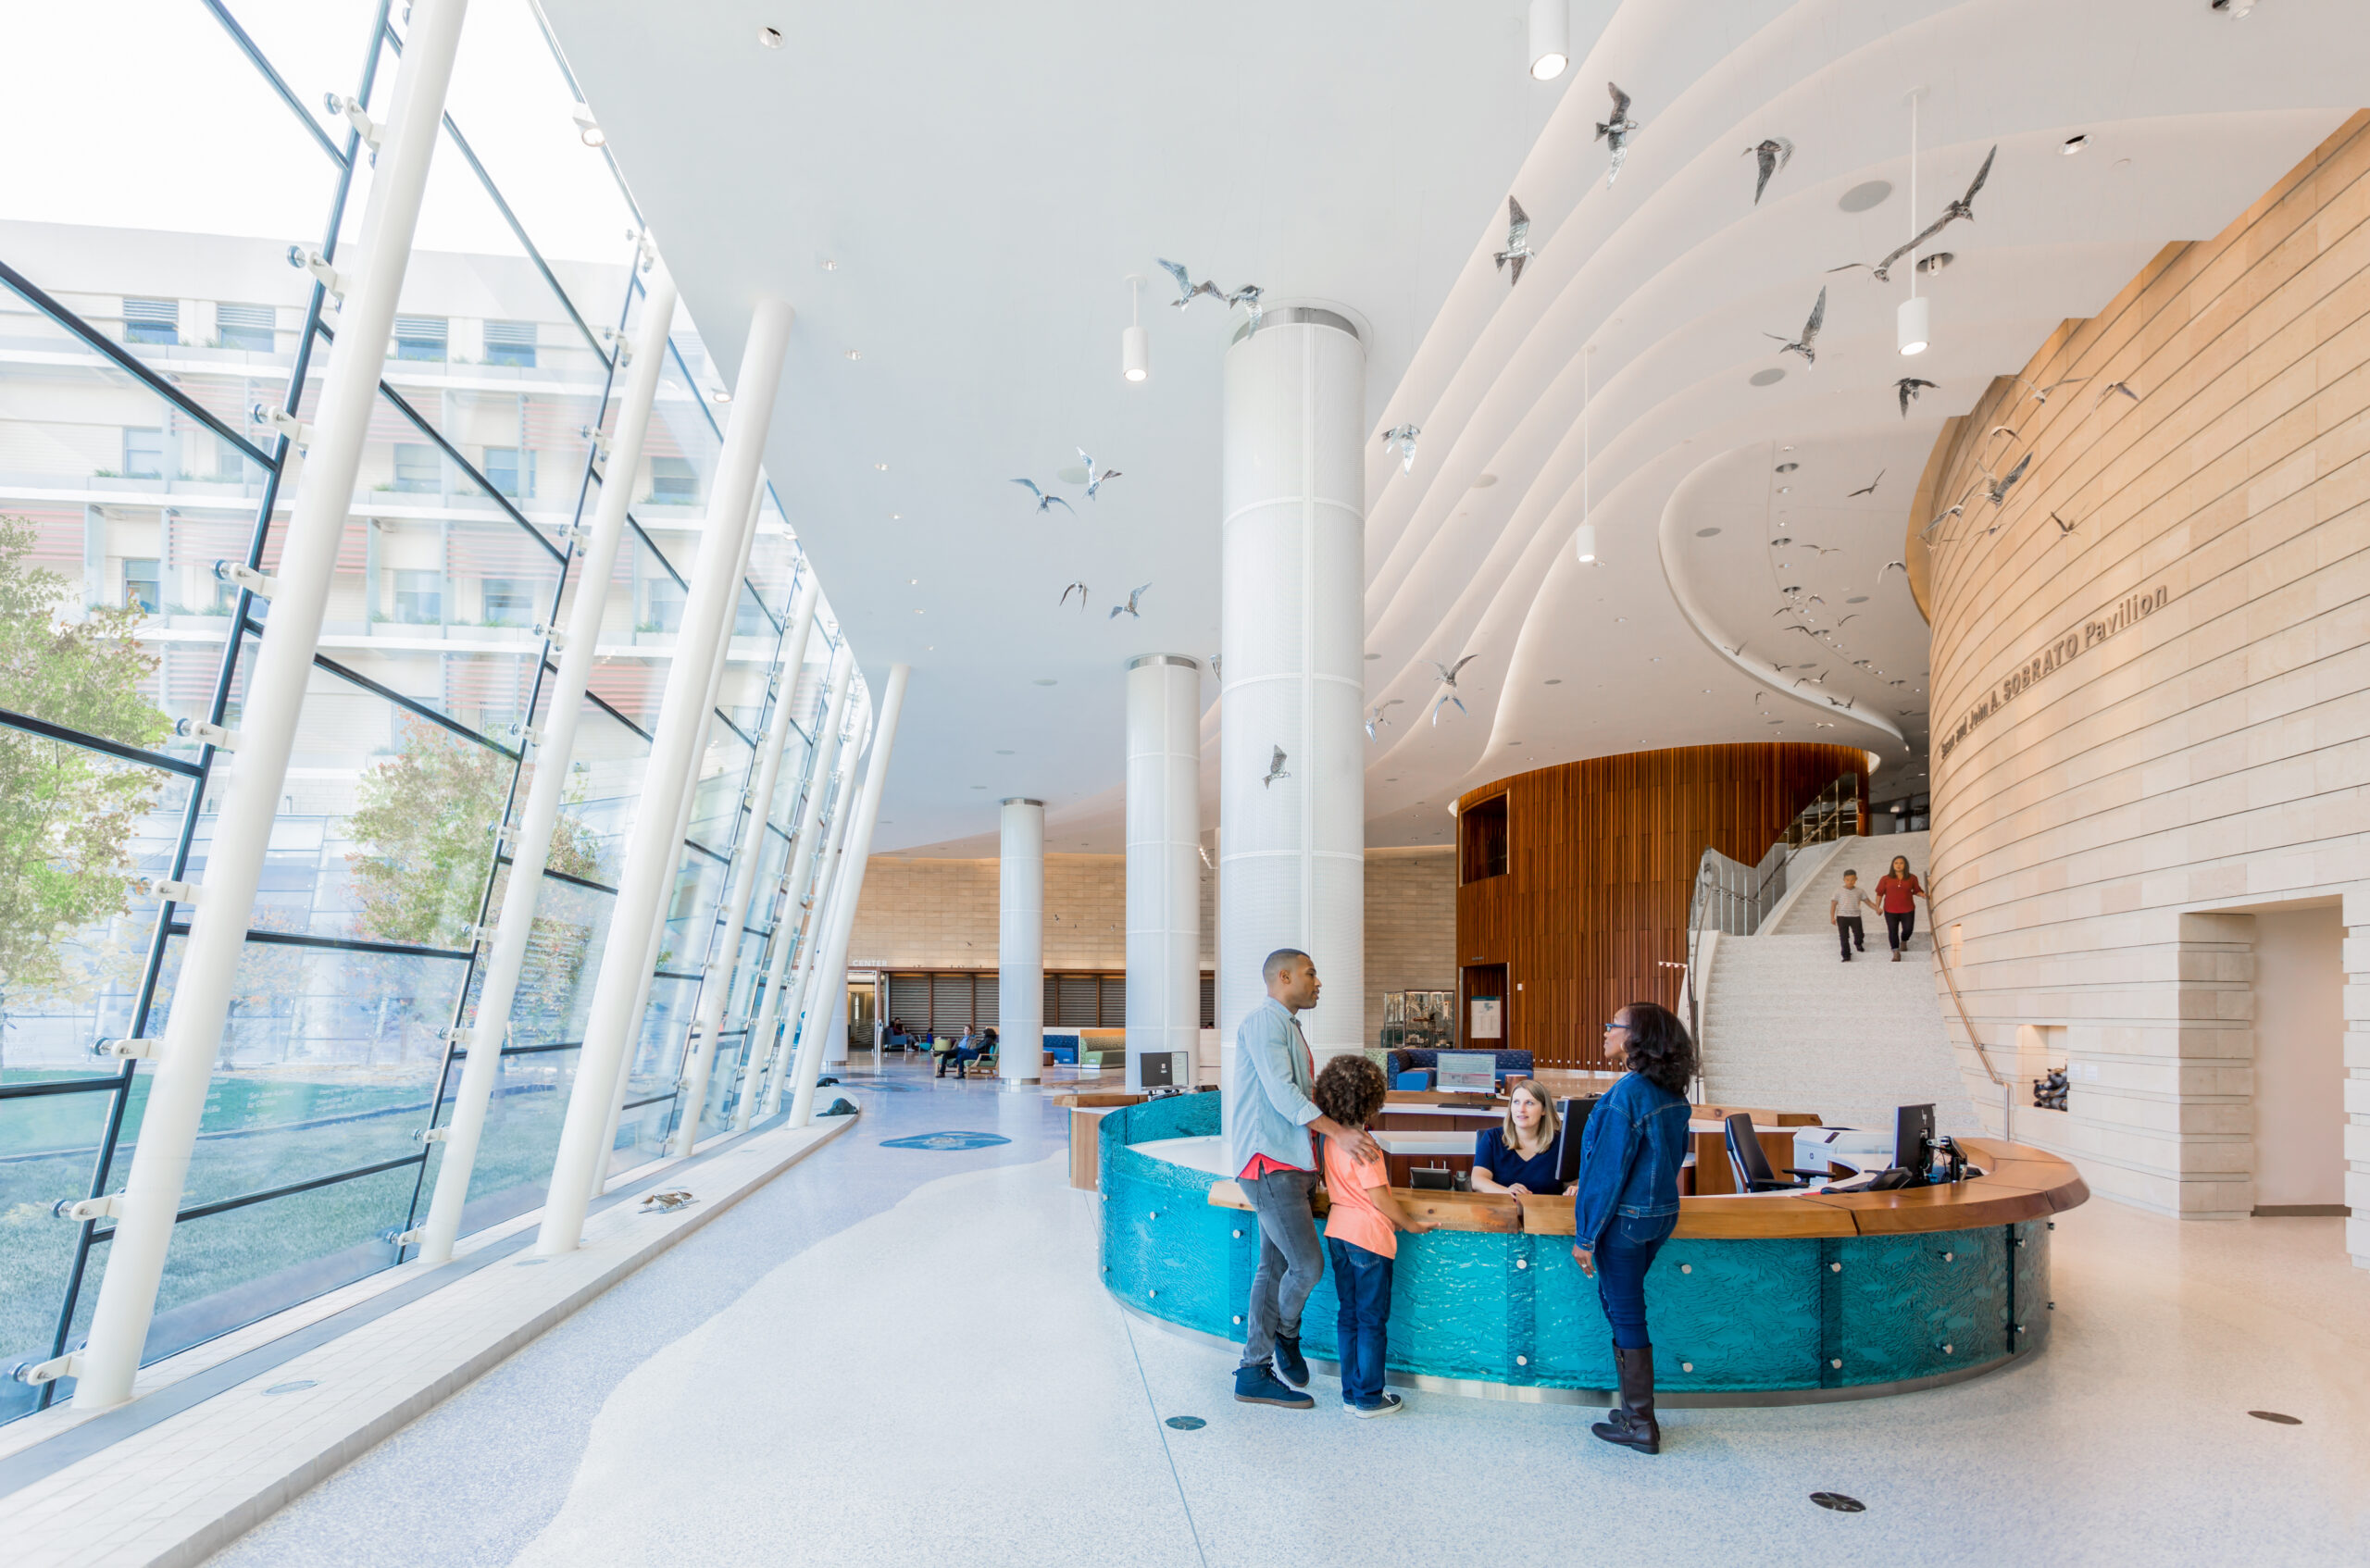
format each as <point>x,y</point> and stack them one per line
<point>155,318</point>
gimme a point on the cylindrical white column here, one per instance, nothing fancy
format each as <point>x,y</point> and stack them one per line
<point>553,756</point>
<point>1020,944</point>
<point>724,959</point>
<point>1164,858</point>
<point>1292,790</point>
<point>831,956</point>
<point>281,667</point>
<point>790,925</point>
<point>644,886</point>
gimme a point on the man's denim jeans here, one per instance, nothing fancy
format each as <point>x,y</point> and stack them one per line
<point>1291,1263</point>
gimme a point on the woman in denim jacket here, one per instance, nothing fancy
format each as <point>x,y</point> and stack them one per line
<point>1626,1201</point>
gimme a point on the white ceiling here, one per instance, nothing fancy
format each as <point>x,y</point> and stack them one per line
<point>985,177</point>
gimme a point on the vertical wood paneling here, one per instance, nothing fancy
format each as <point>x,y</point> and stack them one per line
<point>1601,863</point>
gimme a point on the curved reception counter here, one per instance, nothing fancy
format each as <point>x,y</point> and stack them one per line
<point>1769,1298</point>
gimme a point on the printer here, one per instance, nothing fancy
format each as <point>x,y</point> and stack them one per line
<point>1852,1149</point>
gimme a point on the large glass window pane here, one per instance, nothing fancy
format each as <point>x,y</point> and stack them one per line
<point>48,1145</point>
<point>521,1136</point>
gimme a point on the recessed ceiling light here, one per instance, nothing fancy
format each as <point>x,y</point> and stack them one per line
<point>1655,660</point>
<point>1786,449</point>
<point>1620,620</point>
<point>917,612</point>
<point>1048,683</point>
<point>720,394</point>
<point>829,265</point>
<point>1004,753</point>
<point>1768,377</point>
<point>1788,467</point>
<point>2075,144</point>
<point>771,37</point>
<point>896,516</point>
<point>913,582</point>
<point>1483,481</point>
<point>855,354</point>
<point>883,468</point>
<point>1784,490</point>
<point>1513,743</point>
<point>1861,197</point>
<point>1707,533</point>
<point>1857,599</point>
<point>1557,681</point>
<point>1707,690</point>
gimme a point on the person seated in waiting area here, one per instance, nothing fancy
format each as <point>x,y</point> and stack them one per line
<point>1520,1156</point>
<point>964,1052</point>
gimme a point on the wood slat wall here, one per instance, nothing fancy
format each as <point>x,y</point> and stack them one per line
<point>1600,862</point>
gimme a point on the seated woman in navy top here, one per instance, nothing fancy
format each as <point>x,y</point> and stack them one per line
<point>1520,1156</point>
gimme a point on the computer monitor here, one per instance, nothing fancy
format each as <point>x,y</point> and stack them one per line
<point>1467,1072</point>
<point>1574,1116</point>
<point>1912,1140</point>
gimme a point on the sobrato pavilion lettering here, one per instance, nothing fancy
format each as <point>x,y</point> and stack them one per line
<point>2128,612</point>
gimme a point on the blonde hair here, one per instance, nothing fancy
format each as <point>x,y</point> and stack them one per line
<point>1548,1122</point>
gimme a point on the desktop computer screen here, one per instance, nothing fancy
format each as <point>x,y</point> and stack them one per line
<point>1467,1072</point>
<point>1912,1140</point>
<point>1574,1116</point>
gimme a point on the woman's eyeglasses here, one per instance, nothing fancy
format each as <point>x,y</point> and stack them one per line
<point>1617,1024</point>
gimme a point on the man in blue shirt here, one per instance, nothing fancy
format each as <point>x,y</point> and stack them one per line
<point>1269,1118</point>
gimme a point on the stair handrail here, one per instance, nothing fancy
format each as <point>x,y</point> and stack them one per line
<point>1943,961</point>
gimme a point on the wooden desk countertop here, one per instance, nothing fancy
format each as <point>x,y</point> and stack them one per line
<point>2019,1183</point>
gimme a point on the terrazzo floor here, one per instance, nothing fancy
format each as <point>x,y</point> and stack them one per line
<point>902,1355</point>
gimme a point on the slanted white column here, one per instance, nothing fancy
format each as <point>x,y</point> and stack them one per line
<point>1020,944</point>
<point>831,955</point>
<point>799,1037</point>
<point>258,756</point>
<point>1292,573</point>
<point>792,925</point>
<point>1164,858</point>
<point>716,981</point>
<point>644,886</point>
<point>553,754</point>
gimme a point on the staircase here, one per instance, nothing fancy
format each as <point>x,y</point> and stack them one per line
<point>1788,1025</point>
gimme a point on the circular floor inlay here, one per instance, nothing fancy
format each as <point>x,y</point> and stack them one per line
<point>945,1140</point>
<point>1187,1423</point>
<point>1838,1502</point>
<point>299,1385</point>
<point>2273,1415</point>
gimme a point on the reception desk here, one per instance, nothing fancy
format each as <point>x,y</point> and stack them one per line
<point>1759,1298</point>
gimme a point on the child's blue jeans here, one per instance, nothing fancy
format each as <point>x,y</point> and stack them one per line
<point>1362,1280</point>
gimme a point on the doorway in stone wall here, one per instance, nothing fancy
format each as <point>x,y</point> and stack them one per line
<point>2299,1105</point>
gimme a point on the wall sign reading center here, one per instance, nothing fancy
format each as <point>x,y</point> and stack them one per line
<point>2056,656</point>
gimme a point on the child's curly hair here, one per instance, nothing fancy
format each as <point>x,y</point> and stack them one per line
<point>1351,1089</point>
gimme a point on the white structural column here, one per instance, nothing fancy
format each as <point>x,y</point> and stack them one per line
<point>793,926</point>
<point>1292,572</point>
<point>1020,944</point>
<point>257,759</point>
<point>1164,858</point>
<point>724,959</point>
<point>553,754</point>
<point>797,1037</point>
<point>831,953</point>
<point>644,883</point>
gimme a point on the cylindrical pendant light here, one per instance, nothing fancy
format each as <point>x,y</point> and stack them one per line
<point>1915,321</point>
<point>1551,38</point>
<point>1135,345</point>
<point>1584,544</point>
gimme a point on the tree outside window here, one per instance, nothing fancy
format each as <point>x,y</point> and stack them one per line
<point>65,838</point>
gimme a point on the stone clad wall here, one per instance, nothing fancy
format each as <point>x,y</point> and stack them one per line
<point>2147,727</point>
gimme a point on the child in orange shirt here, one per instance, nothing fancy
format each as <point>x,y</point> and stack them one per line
<point>1360,1234</point>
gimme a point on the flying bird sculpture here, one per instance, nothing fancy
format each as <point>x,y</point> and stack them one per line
<point>1275,768</point>
<point>1081,589</point>
<point>1615,132</point>
<point>1187,290</point>
<point>1088,475</point>
<point>1447,682</point>
<point>1404,438</point>
<point>1517,249</point>
<point>1997,491</point>
<point>1043,500</point>
<point>1808,345</point>
<point>1248,297</point>
<point>2113,387</point>
<point>1129,608</point>
<point>1890,566</point>
<point>1962,208</point>
<point>1909,387</point>
<point>1375,722</point>
<point>1774,152</point>
<point>1868,489</point>
<point>2041,394</point>
<point>2065,530</point>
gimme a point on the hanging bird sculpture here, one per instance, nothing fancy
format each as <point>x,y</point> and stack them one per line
<point>1909,387</point>
<point>1129,608</point>
<point>1043,500</point>
<point>1448,684</point>
<point>1615,132</point>
<point>1808,345</point>
<point>1517,249</point>
<point>1404,438</point>
<point>1774,152</point>
<point>1375,722</point>
<point>1275,768</point>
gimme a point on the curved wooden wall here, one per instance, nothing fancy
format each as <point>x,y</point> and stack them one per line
<point>1601,861</point>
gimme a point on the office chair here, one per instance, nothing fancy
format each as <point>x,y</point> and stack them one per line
<point>1749,1162</point>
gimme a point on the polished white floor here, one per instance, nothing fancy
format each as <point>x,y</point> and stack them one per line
<point>941,1380</point>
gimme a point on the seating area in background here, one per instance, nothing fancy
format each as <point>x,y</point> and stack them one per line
<point>1413,1067</point>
